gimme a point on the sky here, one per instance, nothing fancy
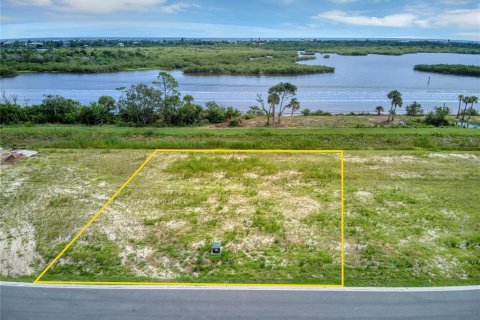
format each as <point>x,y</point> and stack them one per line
<point>434,19</point>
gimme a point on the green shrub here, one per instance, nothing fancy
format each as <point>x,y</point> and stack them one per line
<point>306,112</point>
<point>233,122</point>
<point>8,72</point>
<point>414,109</point>
<point>438,117</point>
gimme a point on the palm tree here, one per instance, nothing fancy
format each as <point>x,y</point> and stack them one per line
<point>395,96</point>
<point>188,99</point>
<point>379,110</point>
<point>473,99</point>
<point>460,99</point>
<point>273,100</point>
<point>465,100</point>
<point>397,103</point>
<point>294,105</point>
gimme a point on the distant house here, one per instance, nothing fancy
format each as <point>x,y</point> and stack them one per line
<point>120,44</point>
<point>35,44</point>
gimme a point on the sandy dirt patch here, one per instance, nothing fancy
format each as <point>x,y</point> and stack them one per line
<point>17,251</point>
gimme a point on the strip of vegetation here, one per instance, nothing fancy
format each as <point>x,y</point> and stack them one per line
<point>161,104</point>
<point>364,47</point>
<point>8,72</point>
<point>308,47</point>
<point>111,137</point>
<point>195,56</point>
<point>456,69</point>
<point>218,59</point>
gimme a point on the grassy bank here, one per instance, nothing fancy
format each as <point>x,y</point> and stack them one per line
<point>411,219</point>
<point>241,138</point>
<point>455,69</point>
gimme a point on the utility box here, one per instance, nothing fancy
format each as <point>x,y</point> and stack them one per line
<point>216,248</point>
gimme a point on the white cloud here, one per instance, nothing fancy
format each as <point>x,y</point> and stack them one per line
<point>106,6</point>
<point>395,20</point>
<point>175,7</point>
<point>343,1</point>
<point>465,18</point>
<point>454,2</point>
<point>32,2</point>
<point>424,18</point>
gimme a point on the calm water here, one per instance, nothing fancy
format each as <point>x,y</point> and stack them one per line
<point>359,83</point>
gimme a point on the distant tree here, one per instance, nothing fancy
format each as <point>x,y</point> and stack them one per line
<point>273,101</point>
<point>466,101</point>
<point>170,97</point>
<point>473,99</point>
<point>268,111</point>
<point>215,112</point>
<point>414,109</point>
<point>140,104</point>
<point>190,114</point>
<point>306,112</point>
<point>294,105</point>
<point>108,109</point>
<point>188,99</point>
<point>460,99</point>
<point>10,111</point>
<point>255,111</point>
<point>232,112</point>
<point>396,100</point>
<point>107,101</point>
<point>284,91</point>
<point>379,110</point>
<point>91,114</point>
<point>57,109</point>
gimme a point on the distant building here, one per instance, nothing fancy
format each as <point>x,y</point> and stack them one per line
<point>35,44</point>
<point>120,44</point>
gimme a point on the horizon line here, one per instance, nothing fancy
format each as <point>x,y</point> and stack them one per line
<point>241,38</point>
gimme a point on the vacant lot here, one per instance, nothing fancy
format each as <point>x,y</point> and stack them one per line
<point>412,218</point>
<point>278,216</point>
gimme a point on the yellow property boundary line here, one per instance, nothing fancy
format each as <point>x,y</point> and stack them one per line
<point>203,284</point>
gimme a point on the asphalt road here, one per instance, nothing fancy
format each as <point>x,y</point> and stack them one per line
<point>19,302</point>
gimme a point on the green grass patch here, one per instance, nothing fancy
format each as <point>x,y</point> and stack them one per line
<point>411,219</point>
<point>110,137</point>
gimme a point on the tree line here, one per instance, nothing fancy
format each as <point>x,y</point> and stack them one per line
<point>456,69</point>
<point>218,59</point>
<point>159,103</point>
<point>436,117</point>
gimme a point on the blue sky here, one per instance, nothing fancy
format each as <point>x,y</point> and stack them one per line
<point>437,19</point>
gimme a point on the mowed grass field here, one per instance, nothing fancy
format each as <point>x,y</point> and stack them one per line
<point>411,217</point>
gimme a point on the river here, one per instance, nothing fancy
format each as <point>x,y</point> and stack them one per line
<point>359,83</point>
